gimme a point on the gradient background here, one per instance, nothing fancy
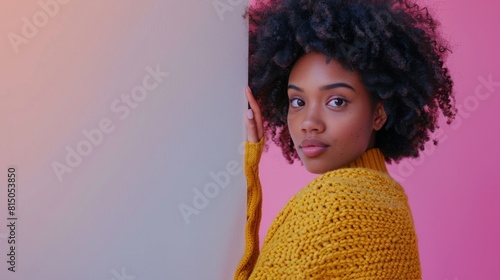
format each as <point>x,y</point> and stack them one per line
<point>454,188</point>
<point>116,216</point>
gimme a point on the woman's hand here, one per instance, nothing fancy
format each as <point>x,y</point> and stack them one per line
<point>253,123</point>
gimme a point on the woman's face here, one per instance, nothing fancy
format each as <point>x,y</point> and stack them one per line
<point>331,117</point>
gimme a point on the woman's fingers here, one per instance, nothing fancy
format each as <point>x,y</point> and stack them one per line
<point>256,112</point>
<point>254,124</point>
<point>252,135</point>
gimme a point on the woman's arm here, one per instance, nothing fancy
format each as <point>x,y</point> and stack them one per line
<point>254,206</point>
<point>253,150</point>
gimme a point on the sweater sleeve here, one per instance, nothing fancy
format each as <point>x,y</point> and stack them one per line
<point>253,152</point>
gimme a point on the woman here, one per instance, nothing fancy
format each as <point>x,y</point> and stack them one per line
<point>343,86</point>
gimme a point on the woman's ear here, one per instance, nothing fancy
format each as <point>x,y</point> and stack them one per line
<point>379,116</point>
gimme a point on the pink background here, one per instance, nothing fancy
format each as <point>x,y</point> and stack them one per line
<point>118,210</point>
<point>453,188</point>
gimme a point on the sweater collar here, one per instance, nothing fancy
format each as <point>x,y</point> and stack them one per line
<point>372,159</point>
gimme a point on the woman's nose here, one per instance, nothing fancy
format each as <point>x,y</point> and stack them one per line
<point>312,122</point>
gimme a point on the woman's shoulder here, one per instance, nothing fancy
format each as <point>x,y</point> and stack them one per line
<point>353,217</point>
<point>353,186</point>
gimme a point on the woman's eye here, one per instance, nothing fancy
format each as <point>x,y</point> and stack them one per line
<point>295,102</point>
<point>337,102</point>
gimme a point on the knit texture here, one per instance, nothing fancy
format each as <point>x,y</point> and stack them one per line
<point>253,151</point>
<point>350,223</point>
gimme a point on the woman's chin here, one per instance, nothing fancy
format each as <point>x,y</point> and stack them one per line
<point>315,169</point>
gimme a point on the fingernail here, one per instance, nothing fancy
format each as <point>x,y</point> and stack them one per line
<point>250,114</point>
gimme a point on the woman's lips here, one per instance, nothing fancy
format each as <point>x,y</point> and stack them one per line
<point>312,147</point>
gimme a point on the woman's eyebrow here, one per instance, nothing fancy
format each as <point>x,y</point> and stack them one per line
<point>323,88</point>
<point>290,86</point>
<point>337,85</point>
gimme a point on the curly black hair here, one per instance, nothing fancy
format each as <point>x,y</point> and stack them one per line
<point>394,46</point>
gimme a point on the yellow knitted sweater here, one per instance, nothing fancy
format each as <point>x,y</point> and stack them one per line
<point>350,223</point>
